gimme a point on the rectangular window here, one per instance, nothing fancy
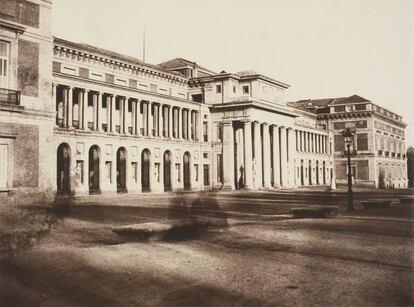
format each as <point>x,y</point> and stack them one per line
<point>197,97</point>
<point>339,109</point>
<point>205,131</point>
<point>246,89</point>
<point>361,124</point>
<point>218,88</point>
<point>206,175</point>
<point>56,65</point>
<point>339,125</point>
<point>4,63</point>
<point>129,106</point>
<point>360,107</point>
<point>234,89</point>
<point>362,141</point>
<point>4,165</point>
<point>339,143</point>
<point>205,155</point>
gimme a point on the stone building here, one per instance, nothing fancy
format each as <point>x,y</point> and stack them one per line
<point>76,120</point>
<point>379,157</point>
<point>26,112</point>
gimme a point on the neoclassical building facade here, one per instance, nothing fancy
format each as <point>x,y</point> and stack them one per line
<point>124,126</point>
<point>78,120</point>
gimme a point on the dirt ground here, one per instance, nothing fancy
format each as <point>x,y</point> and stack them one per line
<point>360,259</point>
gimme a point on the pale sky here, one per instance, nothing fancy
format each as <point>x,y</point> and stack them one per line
<point>322,48</point>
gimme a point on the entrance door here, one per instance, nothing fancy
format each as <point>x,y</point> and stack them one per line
<point>63,169</point>
<point>145,171</point>
<point>167,171</point>
<point>187,179</point>
<point>121,170</point>
<point>94,170</point>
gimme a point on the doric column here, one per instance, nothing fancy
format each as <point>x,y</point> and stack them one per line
<point>134,116</point>
<point>154,131</point>
<point>266,156</point>
<point>228,156</point>
<point>95,110</point>
<point>184,124</point>
<point>248,171</point>
<point>139,119</point>
<point>283,157</point>
<point>98,112</point>
<point>108,113</point>
<point>122,114</point>
<point>70,107</point>
<point>145,117</point>
<point>196,125</point>
<point>257,161</point>
<point>305,141</point>
<point>312,136</point>
<point>291,157</point>
<point>151,126</point>
<point>170,121</point>
<point>65,106</point>
<point>80,107</point>
<point>276,156</point>
<point>113,112</point>
<point>179,123</point>
<point>193,135</point>
<point>84,109</point>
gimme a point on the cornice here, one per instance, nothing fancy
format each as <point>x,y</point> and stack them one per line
<point>135,68</point>
<point>12,26</point>
<point>389,120</point>
<point>344,115</point>
<point>252,104</point>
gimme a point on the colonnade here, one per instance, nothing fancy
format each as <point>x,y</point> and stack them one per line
<point>266,158</point>
<point>105,112</point>
<point>311,142</point>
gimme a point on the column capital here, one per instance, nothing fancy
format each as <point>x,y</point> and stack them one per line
<point>265,124</point>
<point>227,123</point>
<point>255,122</point>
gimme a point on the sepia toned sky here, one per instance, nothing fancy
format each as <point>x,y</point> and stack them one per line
<point>322,48</point>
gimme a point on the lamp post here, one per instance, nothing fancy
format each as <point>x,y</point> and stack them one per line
<point>349,134</point>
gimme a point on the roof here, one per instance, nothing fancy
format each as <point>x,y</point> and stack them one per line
<point>109,53</point>
<point>180,63</point>
<point>321,103</point>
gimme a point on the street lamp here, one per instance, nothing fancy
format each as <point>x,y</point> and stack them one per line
<point>348,135</point>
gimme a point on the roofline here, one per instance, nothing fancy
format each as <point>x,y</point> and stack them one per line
<point>115,55</point>
<point>239,78</point>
